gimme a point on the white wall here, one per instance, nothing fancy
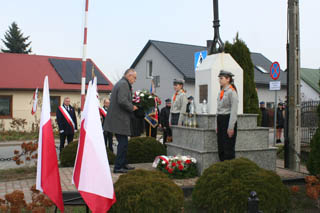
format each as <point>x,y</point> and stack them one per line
<point>308,93</point>
<point>264,94</point>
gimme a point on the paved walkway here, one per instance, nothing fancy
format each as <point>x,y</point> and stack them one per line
<point>66,176</point>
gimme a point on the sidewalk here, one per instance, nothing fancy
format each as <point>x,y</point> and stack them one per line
<point>66,176</point>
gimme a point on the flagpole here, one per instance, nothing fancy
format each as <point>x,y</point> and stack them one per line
<point>84,55</point>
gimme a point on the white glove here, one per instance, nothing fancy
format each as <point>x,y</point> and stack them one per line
<point>61,131</point>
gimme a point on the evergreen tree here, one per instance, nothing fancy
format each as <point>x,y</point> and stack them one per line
<point>241,54</point>
<point>15,41</point>
<point>313,163</point>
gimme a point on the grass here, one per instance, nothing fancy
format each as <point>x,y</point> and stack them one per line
<point>23,136</point>
<point>18,174</point>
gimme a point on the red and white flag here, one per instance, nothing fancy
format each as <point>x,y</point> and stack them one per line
<point>48,178</point>
<point>34,102</point>
<point>91,174</point>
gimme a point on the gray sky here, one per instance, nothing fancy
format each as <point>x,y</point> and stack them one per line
<point>118,30</point>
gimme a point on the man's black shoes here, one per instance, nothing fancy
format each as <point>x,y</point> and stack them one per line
<point>127,167</point>
<point>120,170</point>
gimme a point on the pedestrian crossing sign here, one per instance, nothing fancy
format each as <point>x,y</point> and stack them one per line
<point>199,57</point>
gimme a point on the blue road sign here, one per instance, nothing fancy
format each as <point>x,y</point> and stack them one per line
<point>275,70</point>
<point>199,57</point>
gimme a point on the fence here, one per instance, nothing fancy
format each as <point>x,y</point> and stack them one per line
<point>309,120</point>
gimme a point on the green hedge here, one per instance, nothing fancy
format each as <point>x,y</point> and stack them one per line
<point>144,150</point>
<point>147,191</point>
<point>69,153</point>
<point>226,186</point>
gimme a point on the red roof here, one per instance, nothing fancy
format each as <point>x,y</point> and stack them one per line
<point>24,72</point>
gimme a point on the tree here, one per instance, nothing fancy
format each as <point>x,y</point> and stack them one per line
<point>241,53</point>
<point>15,41</point>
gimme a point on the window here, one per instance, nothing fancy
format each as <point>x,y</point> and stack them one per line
<point>203,93</point>
<point>54,104</point>
<point>6,106</point>
<point>149,69</point>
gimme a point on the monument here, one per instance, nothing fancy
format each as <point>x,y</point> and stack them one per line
<point>200,140</point>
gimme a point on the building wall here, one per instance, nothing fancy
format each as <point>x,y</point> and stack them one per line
<point>264,94</point>
<point>308,93</point>
<point>163,68</point>
<point>22,105</point>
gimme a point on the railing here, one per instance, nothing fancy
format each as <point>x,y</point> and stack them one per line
<point>309,120</point>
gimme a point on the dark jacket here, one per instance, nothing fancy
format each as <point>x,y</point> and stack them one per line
<point>118,120</point>
<point>63,123</point>
<point>164,116</point>
<point>264,117</point>
<point>280,118</point>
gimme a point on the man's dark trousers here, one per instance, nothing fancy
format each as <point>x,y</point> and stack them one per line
<point>63,137</point>
<point>108,140</point>
<point>122,148</point>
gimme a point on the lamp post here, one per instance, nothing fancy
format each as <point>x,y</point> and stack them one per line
<point>217,45</point>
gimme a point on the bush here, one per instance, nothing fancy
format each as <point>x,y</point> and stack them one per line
<point>144,149</point>
<point>69,153</point>
<point>225,187</point>
<point>147,191</point>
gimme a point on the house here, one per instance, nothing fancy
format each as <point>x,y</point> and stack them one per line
<point>165,61</point>
<point>21,74</point>
<point>310,89</point>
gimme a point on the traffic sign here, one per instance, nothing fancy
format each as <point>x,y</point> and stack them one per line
<point>275,70</point>
<point>199,57</point>
<point>274,85</point>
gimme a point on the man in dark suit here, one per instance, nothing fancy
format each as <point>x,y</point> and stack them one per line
<point>67,122</point>
<point>118,120</point>
<point>164,120</point>
<point>107,135</point>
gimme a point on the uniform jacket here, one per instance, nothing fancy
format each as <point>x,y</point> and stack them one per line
<point>179,105</point>
<point>164,116</point>
<point>120,110</point>
<point>63,123</point>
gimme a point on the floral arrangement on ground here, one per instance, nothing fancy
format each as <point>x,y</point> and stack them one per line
<point>177,167</point>
<point>145,100</point>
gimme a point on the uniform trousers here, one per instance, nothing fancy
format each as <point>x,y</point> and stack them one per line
<point>63,137</point>
<point>226,145</point>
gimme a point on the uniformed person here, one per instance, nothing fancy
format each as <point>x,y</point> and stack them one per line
<point>227,116</point>
<point>179,103</point>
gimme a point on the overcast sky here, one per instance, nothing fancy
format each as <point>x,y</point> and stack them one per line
<point>118,30</point>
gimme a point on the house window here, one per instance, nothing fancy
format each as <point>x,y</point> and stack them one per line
<point>6,106</point>
<point>54,104</point>
<point>149,69</point>
<point>203,93</point>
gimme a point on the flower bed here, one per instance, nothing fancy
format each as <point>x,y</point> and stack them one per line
<point>177,167</point>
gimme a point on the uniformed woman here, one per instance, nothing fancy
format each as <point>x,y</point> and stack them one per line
<point>227,116</point>
<point>179,103</point>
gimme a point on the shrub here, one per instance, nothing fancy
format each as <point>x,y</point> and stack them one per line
<point>147,191</point>
<point>69,153</point>
<point>225,187</point>
<point>144,149</point>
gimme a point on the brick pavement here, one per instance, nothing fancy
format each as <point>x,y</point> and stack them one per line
<point>66,175</point>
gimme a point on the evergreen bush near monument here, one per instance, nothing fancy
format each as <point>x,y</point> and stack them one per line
<point>15,41</point>
<point>144,150</point>
<point>147,191</point>
<point>225,187</point>
<point>69,153</point>
<point>241,54</point>
<point>313,163</point>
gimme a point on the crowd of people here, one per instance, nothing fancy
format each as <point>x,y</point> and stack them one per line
<point>117,117</point>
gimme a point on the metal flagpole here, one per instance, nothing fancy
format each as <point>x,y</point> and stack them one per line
<point>84,55</point>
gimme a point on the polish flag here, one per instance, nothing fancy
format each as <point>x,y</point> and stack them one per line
<point>35,101</point>
<point>48,178</point>
<point>91,174</point>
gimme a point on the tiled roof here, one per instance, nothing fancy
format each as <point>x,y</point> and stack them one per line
<point>24,72</point>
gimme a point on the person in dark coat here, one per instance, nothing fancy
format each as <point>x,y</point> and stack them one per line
<point>264,115</point>
<point>190,98</point>
<point>67,122</point>
<point>119,116</point>
<point>164,121</point>
<point>280,122</point>
<point>107,135</point>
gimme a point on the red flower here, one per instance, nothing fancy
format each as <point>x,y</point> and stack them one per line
<point>167,167</point>
<point>170,170</point>
<point>179,162</point>
<point>180,167</point>
<point>188,161</point>
<point>173,164</point>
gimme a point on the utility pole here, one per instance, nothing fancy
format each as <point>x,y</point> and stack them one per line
<point>293,84</point>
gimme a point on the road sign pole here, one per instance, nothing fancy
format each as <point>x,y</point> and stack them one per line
<point>275,118</point>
